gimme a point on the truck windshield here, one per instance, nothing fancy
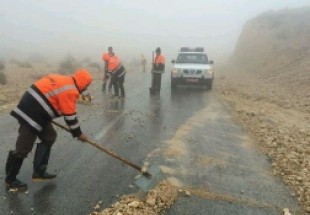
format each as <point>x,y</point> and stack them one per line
<point>192,58</point>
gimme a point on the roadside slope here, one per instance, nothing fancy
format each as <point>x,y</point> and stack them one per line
<point>267,83</point>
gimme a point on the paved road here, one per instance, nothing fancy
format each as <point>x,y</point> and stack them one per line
<point>189,133</point>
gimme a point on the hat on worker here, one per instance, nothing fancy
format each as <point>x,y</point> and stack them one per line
<point>83,78</point>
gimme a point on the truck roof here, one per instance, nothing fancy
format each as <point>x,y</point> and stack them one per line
<point>192,49</point>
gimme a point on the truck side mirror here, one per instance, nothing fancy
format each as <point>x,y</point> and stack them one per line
<point>173,61</point>
<point>211,62</point>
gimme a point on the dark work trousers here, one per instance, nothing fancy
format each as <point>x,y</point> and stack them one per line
<point>106,77</point>
<point>26,138</point>
<point>156,81</point>
<point>120,83</point>
<point>117,79</point>
<point>109,81</point>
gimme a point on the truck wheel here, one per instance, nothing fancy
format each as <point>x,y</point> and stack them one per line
<point>209,85</point>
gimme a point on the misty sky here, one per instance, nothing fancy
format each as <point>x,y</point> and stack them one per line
<point>87,28</point>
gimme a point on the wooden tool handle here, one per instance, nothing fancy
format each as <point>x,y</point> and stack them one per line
<point>109,152</point>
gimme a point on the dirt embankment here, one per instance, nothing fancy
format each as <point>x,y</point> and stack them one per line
<point>267,82</point>
<point>18,79</point>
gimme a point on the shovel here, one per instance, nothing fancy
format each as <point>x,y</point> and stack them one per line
<point>148,179</point>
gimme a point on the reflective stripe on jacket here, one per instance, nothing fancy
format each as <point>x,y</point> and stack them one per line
<point>52,96</point>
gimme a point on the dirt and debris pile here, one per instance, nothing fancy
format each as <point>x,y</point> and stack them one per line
<point>288,147</point>
<point>157,201</point>
<point>267,83</point>
<point>273,52</point>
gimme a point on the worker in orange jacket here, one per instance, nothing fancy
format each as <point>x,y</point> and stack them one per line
<point>52,96</point>
<point>118,72</point>
<point>158,68</point>
<point>143,62</point>
<point>107,75</point>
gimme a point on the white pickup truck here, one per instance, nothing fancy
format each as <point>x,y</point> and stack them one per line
<point>192,66</point>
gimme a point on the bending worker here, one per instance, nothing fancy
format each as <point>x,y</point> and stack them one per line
<point>107,75</point>
<point>118,72</point>
<point>158,68</point>
<point>52,96</point>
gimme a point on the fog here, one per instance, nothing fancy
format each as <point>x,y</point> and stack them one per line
<point>55,28</point>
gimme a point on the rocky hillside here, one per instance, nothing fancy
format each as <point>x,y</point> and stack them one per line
<point>273,51</point>
<point>275,42</point>
<point>267,82</point>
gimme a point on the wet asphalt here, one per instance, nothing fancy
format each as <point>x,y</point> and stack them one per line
<point>190,133</point>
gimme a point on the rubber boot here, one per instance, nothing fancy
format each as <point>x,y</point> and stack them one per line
<point>41,158</point>
<point>122,91</point>
<point>12,167</point>
<point>116,91</point>
<point>8,162</point>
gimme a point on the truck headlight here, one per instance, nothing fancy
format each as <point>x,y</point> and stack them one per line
<point>174,72</point>
<point>207,71</point>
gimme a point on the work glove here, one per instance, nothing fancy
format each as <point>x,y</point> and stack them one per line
<point>83,138</point>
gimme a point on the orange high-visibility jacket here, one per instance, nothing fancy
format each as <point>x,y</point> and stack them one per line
<point>114,63</point>
<point>159,64</point>
<point>160,59</point>
<point>52,96</point>
<point>105,57</point>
